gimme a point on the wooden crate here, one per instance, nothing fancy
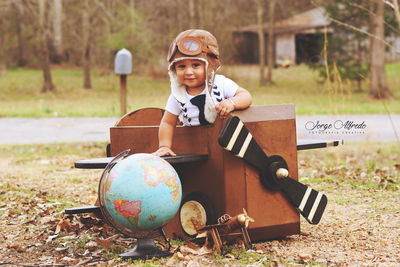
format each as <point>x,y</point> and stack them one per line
<point>229,182</point>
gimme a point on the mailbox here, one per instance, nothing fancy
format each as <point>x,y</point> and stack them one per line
<point>123,62</point>
<point>123,67</point>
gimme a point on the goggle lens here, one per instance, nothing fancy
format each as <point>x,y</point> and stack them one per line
<point>191,45</point>
<point>188,45</point>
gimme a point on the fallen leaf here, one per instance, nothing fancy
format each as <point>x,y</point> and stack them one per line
<point>91,245</point>
<point>180,256</point>
<point>105,243</point>
<point>305,256</point>
<point>64,224</point>
<point>51,238</point>
<point>171,261</point>
<point>187,250</point>
<point>67,259</point>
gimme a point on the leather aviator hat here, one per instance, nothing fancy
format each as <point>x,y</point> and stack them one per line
<point>201,45</point>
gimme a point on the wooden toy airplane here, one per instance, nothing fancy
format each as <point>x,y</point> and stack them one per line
<point>227,228</point>
<point>215,181</point>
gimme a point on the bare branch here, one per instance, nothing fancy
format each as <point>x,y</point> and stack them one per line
<point>108,14</point>
<point>389,3</point>
<point>368,11</point>
<point>396,11</point>
<point>363,32</point>
<point>346,25</point>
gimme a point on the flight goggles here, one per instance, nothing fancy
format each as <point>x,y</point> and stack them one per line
<point>189,46</point>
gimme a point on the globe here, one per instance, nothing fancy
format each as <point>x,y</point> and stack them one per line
<point>139,193</point>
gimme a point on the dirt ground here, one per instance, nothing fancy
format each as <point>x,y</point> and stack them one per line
<point>361,225</point>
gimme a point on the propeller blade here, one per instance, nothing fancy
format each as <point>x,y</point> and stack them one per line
<point>310,203</point>
<point>236,138</point>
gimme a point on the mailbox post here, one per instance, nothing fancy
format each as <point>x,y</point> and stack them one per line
<point>123,67</point>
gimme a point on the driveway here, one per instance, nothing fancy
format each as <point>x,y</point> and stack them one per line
<point>350,128</point>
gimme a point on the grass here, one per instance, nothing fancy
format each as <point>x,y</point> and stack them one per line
<point>20,92</point>
<point>342,166</point>
<point>337,171</point>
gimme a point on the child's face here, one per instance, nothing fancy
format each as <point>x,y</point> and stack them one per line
<point>191,72</point>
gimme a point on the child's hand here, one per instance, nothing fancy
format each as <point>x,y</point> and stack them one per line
<point>164,151</point>
<point>224,107</point>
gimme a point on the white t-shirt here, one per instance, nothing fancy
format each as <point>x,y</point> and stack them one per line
<point>189,113</point>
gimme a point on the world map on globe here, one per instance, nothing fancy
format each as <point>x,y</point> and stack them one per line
<point>142,192</point>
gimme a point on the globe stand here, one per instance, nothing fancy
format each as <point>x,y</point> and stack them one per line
<point>145,249</point>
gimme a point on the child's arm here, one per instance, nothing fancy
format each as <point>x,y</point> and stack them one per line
<point>241,100</point>
<point>165,135</point>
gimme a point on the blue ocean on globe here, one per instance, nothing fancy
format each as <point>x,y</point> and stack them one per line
<point>142,192</point>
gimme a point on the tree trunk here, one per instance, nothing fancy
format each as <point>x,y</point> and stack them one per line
<point>2,61</point>
<point>261,40</point>
<point>57,31</point>
<point>45,61</point>
<point>86,46</point>
<point>132,8</point>
<point>271,39</point>
<point>359,60</point>
<point>19,10</point>
<point>378,85</point>
<point>191,14</point>
<point>359,63</point>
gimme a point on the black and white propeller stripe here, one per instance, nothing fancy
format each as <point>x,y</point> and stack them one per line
<point>236,138</point>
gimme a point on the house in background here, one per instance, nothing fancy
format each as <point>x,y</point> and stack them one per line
<point>297,38</point>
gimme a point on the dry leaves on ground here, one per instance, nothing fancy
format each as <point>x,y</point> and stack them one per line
<point>361,225</point>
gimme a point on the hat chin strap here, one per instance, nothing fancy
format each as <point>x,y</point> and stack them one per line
<point>210,113</point>
<point>178,90</point>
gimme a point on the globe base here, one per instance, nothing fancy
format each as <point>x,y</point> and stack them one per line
<point>145,249</point>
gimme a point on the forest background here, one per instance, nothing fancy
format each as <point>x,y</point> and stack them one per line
<point>57,60</point>
<point>88,34</point>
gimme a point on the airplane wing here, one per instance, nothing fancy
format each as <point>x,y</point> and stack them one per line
<point>101,163</point>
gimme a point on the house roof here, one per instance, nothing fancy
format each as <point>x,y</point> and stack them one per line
<point>314,19</point>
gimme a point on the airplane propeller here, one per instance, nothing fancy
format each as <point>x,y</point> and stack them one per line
<point>273,170</point>
<point>244,219</point>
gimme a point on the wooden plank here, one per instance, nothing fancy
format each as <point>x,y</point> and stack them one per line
<point>144,139</point>
<point>205,177</point>
<point>142,117</point>
<point>266,113</point>
<point>101,163</point>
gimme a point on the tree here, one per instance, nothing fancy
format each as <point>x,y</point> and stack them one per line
<point>271,39</point>
<point>57,40</point>
<point>261,40</point>
<point>19,11</point>
<point>192,12</point>
<point>378,85</point>
<point>44,49</point>
<point>86,45</point>
<point>145,27</point>
<point>2,34</point>
<point>346,47</point>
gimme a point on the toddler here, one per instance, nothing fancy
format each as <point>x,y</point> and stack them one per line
<point>198,94</point>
